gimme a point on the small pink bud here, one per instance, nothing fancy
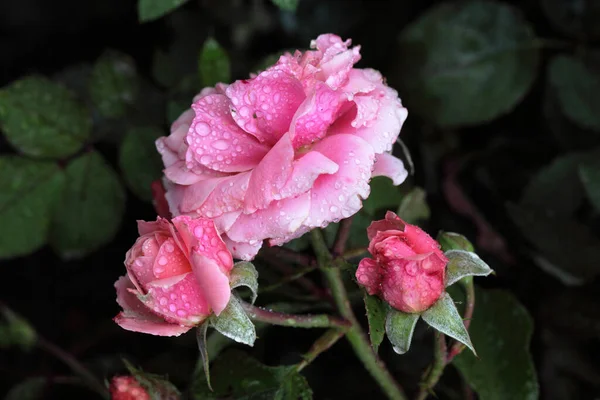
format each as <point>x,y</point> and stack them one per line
<point>407,269</point>
<point>127,388</point>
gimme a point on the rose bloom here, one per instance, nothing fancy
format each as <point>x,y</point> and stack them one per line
<point>177,276</point>
<point>407,269</point>
<point>291,149</point>
<point>127,388</point>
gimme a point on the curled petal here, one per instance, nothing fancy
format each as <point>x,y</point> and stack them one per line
<point>369,275</point>
<point>390,166</point>
<point>212,280</point>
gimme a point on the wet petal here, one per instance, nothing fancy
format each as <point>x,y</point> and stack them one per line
<point>390,166</point>
<point>369,275</point>
<point>211,279</point>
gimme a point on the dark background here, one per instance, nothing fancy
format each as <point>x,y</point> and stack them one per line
<point>72,302</point>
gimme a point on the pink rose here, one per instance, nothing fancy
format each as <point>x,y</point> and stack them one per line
<point>127,388</point>
<point>286,151</point>
<point>407,269</point>
<point>177,275</point>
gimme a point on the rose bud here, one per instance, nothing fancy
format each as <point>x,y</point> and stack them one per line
<point>407,269</point>
<point>127,388</point>
<point>290,149</point>
<point>177,276</point>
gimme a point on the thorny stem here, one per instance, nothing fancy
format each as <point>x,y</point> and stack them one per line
<point>357,338</point>
<point>458,347</point>
<point>322,344</point>
<point>437,368</point>
<point>293,320</point>
<point>78,368</point>
<point>342,237</point>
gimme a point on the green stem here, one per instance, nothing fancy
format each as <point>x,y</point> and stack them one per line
<point>78,368</point>
<point>297,321</point>
<point>288,279</point>
<point>357,338</point>
<point>322,344</point>
<point>342,237</point>
<point>437,368</point>
<point>355,253</point>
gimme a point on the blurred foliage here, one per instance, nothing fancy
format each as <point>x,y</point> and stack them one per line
<point>504,133</point>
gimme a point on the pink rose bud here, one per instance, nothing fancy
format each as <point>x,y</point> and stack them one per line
<point>177,275</point>
<point>288,150</point>
<point>407,269</point>
<point>127,388</point>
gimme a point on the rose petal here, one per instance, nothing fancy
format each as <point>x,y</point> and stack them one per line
<point>242,250</point>
<point>305,171</point>
<point>212,280</point>
<point>170,261</point>
<point>369,275</point>
<point>390,166</point>
<point>217,142</point>
<point>391,222</point>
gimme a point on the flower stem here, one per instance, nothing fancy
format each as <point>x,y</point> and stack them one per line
<point>342,237</point>
<point>437,368</point>
<point>288,279</point>
<point>355,253</point>
<point>323,343</point>
<point>357,338</point>
<point>296,321</point>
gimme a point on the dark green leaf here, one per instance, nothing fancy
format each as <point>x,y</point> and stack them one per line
<point>16,331</point>
<point>30,192</point>
<point>501,329</point>
<point>42,118</point>
<point>464,63</point>
<point>244,274</point>
<point>234,323</point>
<point>158,387</point>
<point>574,17</point>
<point>384,195</point>
<point>576,87</point>
<point>568,249</point>
<point>589,171</point>
<point>463,263</point>
<point>444,317</point>
<point>237,376</point>
<point>149,10</point>
<point>29,389</point>
<point>139,160</point>
<point>203,349</point>
<point>399,327</point>
<point>288,5</point>
<point>114,84</point>
<point>454,241</point>
<point>376,311</point>
<point>413,207</point>
<point>213,64</point>
<point>91,208</point>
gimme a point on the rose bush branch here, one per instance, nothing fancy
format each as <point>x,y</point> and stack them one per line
<point>322,344</point>
<point>434,373</point>
<point>357,338</point>
<point>292,320</point>
<point>342,237</point>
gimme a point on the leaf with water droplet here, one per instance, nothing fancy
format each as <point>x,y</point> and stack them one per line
<point>376,312</point>
<point>464,263</point>
<point>444,317</point>
<point>413,206</point>
<point>501,328</point>
<point>244,274</point>
<point>42,118</point>
<point>91,207</point>
<point>234,323</point>
<point>399,327</point>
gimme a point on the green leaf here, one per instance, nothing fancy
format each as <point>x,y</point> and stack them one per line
<point>16,331</point>
<point>568,250</point>
<point>29,389</point>
<point>399,327</point>
<point>464,263</point>
<point>213,64</point>
<point>244,274</point>
<point>238,376</point>
<point>376,311</point>
<point>149,10</point>
<point>384,195</point>
<point>589,172</point>
<point>413,207</point>
<point>454,241</point>
<point>158,387</point>
<point>114,84</point>
<point>287,5</point>
<point>234,323</point>
<point>501,328</point>
<point>139,160</point>
<point>465,63</point>
<point>203,348</point>
<point>30,192</point>
<point>444,317</point>
<point>576,87</point>
<point>42,118</point>
<point>91,209</point>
